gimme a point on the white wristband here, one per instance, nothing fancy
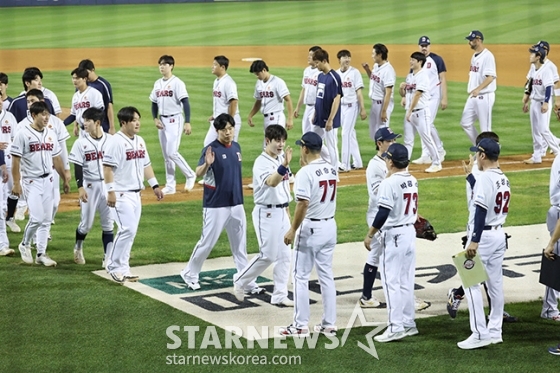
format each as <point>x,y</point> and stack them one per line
<point>557,92</point>
<point>110,187</point>
<point>152,182</point>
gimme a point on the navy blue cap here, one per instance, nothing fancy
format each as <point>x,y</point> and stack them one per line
<point>424,40</point>
<point>545,45</point>
<point>396,152</point>
<point>385,134</point>
<point>538,50</point>
<point>311,140</point>
<point>487,146</point>
<point>475,34</point>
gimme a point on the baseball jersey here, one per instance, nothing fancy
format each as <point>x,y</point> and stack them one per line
<point>434,65</point>
<point>167,94</point>
<point>548,64</point>
<point>421,82</point>
<point>470,191</point>
<point>264,166</point>
<point>399,194</point>
<point>88,153</point>
<point>54,100</point>
<point>8,124</point>
<point>483,64</point>
<point>271,94</point>
<point>81,101</point>
<point>376,172</point>
<point>554,187</point>
<point>223,186</point>
<point>381,77</point>
<point>409,90</point>
<point>329,86</point>
<point>309,84</point>
<point>316,183</point>
<point>36,150</point>
<point>128,157</point>
<point>492,192</point>
<point>542,78</point>
<point>18,107</point>
<point>104,87</point>
<point>351,82</point>
<point>55,124</point>
<point>223,92</point>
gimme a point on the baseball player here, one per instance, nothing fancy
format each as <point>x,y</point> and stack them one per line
<point>126,164</point>
<point>32,79</point>
<point>491,198</point>
<point>84,98</point>
<point>224,98</point>
<point>352,102</point>
<point>397,211</point>
<point>271,217</point>
<point>8,125</point>
<point>4,242</point>
<point>171,100</point>
<point>551,252</point>
<point>539,89</point>
<point>220,163</point>
<point>435,69</point>
<point>4,90</point>
<point>270,94</point>
<point>381,82</point>
<point>418,110</point>
<point>308,92</point>
<point>34,152</point>
<point>326,118</point>
<point>481,88</point>
<point>550,299</point>
<point>104,87</point>
<point>87,157</point>
<point>313,234</point>
<point>376,172</point>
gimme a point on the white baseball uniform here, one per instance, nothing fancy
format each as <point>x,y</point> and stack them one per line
<point>223,92</point>
<point>88,153</point>
<point>271,220</point>
<point>433,66</point>
<point>421,117</point>
<point>492,193</point>
<point>81,101</point>
<point>540,122</point>
<point>167,94</point>
<point>548,64</point>
<point>4,241</point>
<point>8,125</point>
<point>381,78</point>
<point>376,172</point>
<point>349,109</point>
<point>550,299</point>
<point>399,194</point>
<point>271,95</point>
<point>483,64</point>
<point>128,157</point>
<point>315,241</point>
<point>47,93</point>
<point>309,85</point>
<point>36,150</point>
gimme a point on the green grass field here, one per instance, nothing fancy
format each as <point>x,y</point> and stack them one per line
<point>69,320</point>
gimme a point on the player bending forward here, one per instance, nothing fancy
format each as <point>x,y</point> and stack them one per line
<point>87,157</point>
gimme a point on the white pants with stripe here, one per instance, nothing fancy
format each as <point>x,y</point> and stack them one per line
<point>126,213</point>
<point>4,242</point>
<point>421,120</point>
<point>350,147</point>
<point>214,220</point>
<point>96,201</point>
<point>39,195</point>
<point>314,246</point>
<point>433,104</point>
<point>271,224</point>
<point>480,108</point>
<point>492,249</point>
<point>375,121</point>
<point>170,139</point>
<point>540,129</point>
<point>329,151</point>
<point>398,260</point>
<point>550,299</point>
<point>307,120</point>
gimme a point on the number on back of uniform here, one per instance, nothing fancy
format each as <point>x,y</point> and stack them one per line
<point>502,202</point>
<point>410,197</point>
<point>327,185</point>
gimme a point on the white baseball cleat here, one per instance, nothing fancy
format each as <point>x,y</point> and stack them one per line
<point>292,331</point>
<point>420,305</point>
<point>189,184</point>
<point>6,251</point>
<point>117,277</point>
<point>434,168</point>
<point>388,336</point>
<point>191,285</point>
<point>372,303</point>
<point>131,278</point>
<point>422,160</point>
<point>11,223</point>
<point>527,161</point>
<point>328,331</point>
<point>442,155</point>
<point>79,256</point>
<point>201,182</point>
<point>285,303</point>
<point>238,292</point>
<point>255,291</point>
<point>168,190</point>
<point>25,252</point>
<point>251,186</point>
<point>473,342</point>
<point>45,260</point>
<point>496,340</point>
<point>20,213</point>
<point>410,331</point>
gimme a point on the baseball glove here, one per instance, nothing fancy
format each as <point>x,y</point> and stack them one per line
<point>424,229</point>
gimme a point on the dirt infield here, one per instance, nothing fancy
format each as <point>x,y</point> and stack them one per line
<point>512,65</point>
